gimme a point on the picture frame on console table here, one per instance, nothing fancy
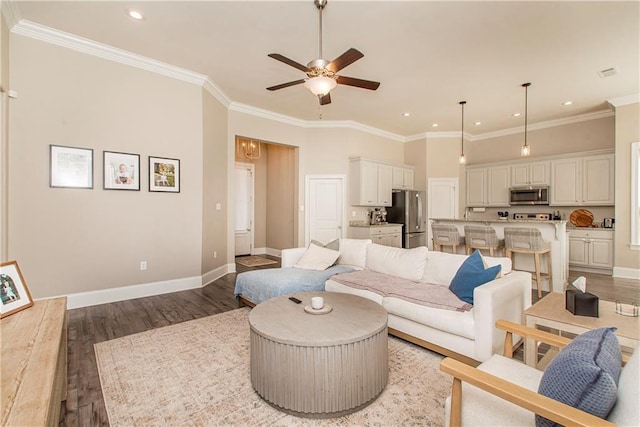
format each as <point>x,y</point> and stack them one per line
<point>121,171</point>
<point>14,294</point>
<point>70,167</point>
<point>164,175</point>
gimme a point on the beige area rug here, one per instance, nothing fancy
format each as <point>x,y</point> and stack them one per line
<point>254,261</point>
<point>197,373</point>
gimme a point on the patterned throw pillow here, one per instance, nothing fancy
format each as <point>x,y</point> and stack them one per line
<point>584,374</point>
<point>470,275</point>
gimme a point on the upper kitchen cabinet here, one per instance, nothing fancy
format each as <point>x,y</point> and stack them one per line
<point>534,173</point>
<point>403,177</point>
<point>370,183</point>
<point>488,186</point>
<point>583,181</point>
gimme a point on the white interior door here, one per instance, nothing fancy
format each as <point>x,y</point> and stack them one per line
<point>325,208</point>
<point>244,208</point>
<point>442,201</point>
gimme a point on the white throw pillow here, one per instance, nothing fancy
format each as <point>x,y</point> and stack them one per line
<point>317,258</point>
<point>353,252</point>
<point>406,263</point>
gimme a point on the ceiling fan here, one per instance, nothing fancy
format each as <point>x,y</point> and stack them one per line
<point>321,74</point>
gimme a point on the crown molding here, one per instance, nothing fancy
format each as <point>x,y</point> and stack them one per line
<point>11,13</point>
<point>216,92</point>
<point>90,47</point>
<point>624,100</point>
<point>544,125</point>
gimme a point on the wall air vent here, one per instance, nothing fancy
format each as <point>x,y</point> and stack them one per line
<point>607,72</point>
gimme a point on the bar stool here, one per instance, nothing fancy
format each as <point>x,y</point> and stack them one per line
<point>522,240</point>
<point>446,235</point>
<point>482,237</point>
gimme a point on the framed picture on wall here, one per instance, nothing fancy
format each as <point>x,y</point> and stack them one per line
<point>14,294</point>
<point>70,167</point>
<point>164,174</point>
<point>121,171</point>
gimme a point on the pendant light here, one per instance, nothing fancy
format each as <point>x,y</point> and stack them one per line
<point>462,158</point>
<point>526,149</point>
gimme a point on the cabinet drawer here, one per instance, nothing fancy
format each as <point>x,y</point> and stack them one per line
<point>591,233</point>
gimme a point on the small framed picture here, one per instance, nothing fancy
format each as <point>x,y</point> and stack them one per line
<point>164,174</point>
<point>70,167</point>
<point>121,171</point>
<point>14,293</point>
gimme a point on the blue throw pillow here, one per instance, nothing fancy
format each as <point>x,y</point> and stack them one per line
<point>470,275</point>
<point>584,374</point>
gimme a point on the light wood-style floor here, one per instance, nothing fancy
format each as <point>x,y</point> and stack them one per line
<point>90,325</point>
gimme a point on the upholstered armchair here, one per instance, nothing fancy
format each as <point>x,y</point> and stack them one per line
<point>502,391</point>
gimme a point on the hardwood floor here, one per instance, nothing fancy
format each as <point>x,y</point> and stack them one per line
<point>90,325</point>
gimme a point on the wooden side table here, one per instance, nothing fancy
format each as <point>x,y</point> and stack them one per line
<point>319,365</point>
<point>550,312</point>
<point>34,364</point>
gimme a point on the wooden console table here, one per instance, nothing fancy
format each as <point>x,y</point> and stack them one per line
<point>34,364</point>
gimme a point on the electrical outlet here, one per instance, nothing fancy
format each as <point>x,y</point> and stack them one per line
<point>143,265</point>
<point>215,254</point>
<point>353,214</point>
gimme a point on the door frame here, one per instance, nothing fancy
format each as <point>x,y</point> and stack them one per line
<point>456,208</point>
<point>252,168</point>
<point>307,204</point>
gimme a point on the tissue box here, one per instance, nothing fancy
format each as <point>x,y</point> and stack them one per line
<point>581,303</point>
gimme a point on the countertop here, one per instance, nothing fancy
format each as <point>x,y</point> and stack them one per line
<point>500,221</point>
<point>365,224</point>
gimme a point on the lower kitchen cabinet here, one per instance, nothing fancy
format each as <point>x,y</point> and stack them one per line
<point>388,235</point>
<point>592,249</point>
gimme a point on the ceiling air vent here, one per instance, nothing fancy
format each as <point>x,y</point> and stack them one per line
<point>607,72</point>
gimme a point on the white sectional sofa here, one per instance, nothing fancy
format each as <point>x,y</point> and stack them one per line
<point>470,336</point>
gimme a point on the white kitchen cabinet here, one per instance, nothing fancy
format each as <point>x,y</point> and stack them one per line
<point>403,177</point>
<point>534,173</point>
<point>583,181</point>
<point>388,235</point>
<point>488,186</point>
<point>370,183</point>
<point>591,248</point>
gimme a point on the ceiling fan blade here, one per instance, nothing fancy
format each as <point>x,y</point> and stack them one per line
<point>364,84</point>
<point>288,61</point>
<point>283,85</point>
<point>326,99</point>
<point>347,58</point>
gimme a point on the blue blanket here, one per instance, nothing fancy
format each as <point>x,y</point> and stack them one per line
<point>260,285</point>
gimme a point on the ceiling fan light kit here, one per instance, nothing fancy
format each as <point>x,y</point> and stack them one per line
<point>321,74</point>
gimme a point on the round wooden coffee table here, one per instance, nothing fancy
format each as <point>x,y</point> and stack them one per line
<point>319,365</point>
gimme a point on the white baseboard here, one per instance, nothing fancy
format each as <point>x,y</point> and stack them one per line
<point>274,252</point>
<point>259,251</point>
<point>626,273</point>
<point>216,273</point>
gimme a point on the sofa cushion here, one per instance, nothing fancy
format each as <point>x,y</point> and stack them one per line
<point>626,411</point>
<point>400,262</point>
<point>584,374</point>
<point>470,275</point>
<point>459,323</point>
<point>353,252</point>
<point>317,258</point>
<point>441,267</point>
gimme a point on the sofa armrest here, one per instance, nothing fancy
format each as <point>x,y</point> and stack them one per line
<point>290,257</point>
<point>505,298</point>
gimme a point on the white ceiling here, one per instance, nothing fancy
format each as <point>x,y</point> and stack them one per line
<point>427,55</point>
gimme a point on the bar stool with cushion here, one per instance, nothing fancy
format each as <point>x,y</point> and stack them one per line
<point>446,235</point>
<point>482,237</point>
<point>521,240</point>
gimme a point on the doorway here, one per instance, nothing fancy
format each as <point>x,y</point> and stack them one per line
<point>325,219</point>
<point>244,212</point>
<point>442,201</point>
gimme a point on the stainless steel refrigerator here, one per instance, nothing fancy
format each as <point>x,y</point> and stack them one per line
<point>409,209</point>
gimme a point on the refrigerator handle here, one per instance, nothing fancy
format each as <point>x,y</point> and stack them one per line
<point>419,225</point>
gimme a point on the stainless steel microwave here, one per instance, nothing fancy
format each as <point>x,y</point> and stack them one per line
<point>531,195</point>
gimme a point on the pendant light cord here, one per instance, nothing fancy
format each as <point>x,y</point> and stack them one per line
<point>462,128</point>
<point>526,109</point>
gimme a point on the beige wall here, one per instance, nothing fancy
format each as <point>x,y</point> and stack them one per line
<point>571,138</point>
<point>4,132</point>
<point>415,154</point>
<point>627,131</point>
<point>281,186</point>
<point>214,183</point>
<point>4,54</point>
<point>75,240</point>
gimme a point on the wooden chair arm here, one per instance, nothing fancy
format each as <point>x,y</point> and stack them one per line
<point>527,399</point>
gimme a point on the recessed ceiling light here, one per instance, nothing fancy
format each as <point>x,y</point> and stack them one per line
<point>406,114</point>
<point>135,14</point>
<point>477,123</point>
<point>435,125</point>
<point>516,114</point>
<point>567,103</point>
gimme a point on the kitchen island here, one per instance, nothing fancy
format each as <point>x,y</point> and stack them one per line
<point>554,232</point>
